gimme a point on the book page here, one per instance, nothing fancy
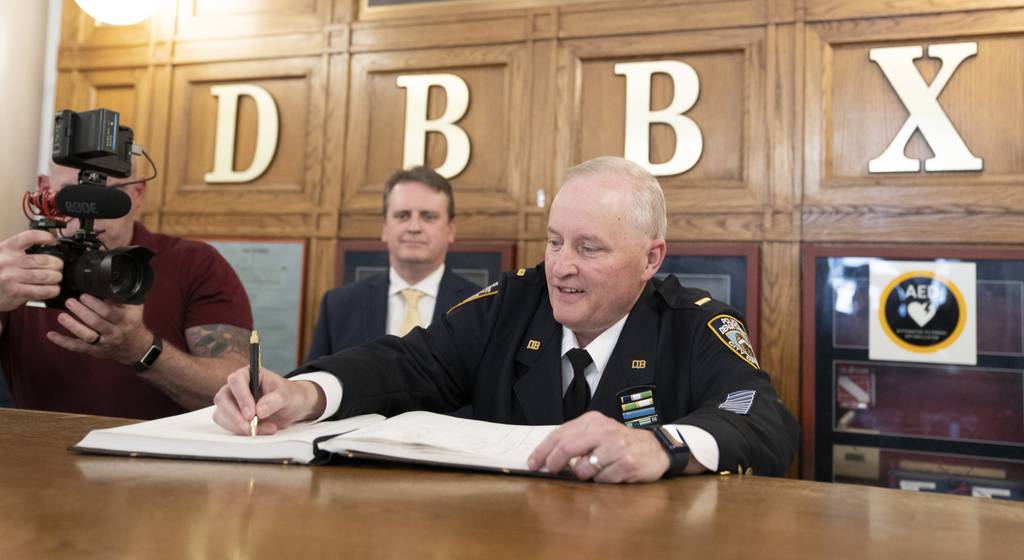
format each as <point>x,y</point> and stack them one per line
<point>195,435</point>
<point>199,426</point>
<point>438,438</point>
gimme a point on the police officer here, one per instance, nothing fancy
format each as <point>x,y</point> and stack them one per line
<point>587,339</point>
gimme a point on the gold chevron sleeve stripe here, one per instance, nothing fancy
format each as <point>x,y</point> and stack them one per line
<point>473,297</point>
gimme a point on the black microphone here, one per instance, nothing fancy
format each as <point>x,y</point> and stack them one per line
<point>92,202</point>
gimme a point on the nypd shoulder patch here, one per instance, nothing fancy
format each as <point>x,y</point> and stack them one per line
<point>730,331</point>
<point>738,402</point>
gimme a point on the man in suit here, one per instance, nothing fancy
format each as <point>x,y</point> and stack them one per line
<point>419,223</point>
<point>588,339</point>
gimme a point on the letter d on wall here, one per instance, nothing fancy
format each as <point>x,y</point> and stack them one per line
<point>417,126</point>
<point>639,116</point>
<point>227,121</point>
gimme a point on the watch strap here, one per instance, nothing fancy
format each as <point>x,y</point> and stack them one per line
<point>149,357</point>
<point>678,452</point>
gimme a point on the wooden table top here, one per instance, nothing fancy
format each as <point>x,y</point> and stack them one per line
<point>55,503</point>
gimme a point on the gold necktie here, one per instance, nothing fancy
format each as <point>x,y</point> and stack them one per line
<point>412,310</point>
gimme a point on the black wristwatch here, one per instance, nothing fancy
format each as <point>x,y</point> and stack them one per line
<point>678,452</point>
<point>152,353</point>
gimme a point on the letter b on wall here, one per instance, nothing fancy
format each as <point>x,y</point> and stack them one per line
<point>640,117</point>
<point>417,125</point>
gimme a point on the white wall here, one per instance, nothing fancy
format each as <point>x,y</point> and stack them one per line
<point>23,67</point>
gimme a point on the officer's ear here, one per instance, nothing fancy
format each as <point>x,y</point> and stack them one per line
<point>42,182</point>
<point>656,251</point>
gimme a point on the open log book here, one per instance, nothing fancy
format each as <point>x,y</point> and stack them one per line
<point>414,437</point>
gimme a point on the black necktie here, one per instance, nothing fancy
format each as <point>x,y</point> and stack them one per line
<point>577,398</point>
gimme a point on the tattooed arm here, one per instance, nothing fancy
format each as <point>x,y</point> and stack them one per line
<point>192,379</point>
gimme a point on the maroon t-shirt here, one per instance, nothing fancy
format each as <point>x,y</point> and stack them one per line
<point>193,285</point>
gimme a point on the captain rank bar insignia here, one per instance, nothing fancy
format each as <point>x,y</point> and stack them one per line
<point>637,405</point>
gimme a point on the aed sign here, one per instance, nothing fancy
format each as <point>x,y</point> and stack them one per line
<point>923,312</point>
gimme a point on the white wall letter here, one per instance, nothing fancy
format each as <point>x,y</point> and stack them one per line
<point>639,117</point>
<point>227,120</point>
<point>416,123</point>
<point>926,115</point>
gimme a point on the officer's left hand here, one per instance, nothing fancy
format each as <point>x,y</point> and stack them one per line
<point>103,330</point>
<point>621,454</point>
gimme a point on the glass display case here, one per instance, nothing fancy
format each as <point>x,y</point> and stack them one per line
<point>936,427</point>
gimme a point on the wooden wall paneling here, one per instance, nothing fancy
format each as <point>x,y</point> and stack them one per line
<point>290,183</point>
<point>231,222</point>
<point>452,8</point>
<point>779,347</point>
<point>493,181</point>
<point>782,220</point>
<point>783,11</point>
<point>211,19</point>
<point>249,48</point>
<point>619,18</point>
<point>344,11</point>
<point>529,253</point>
<point>852,114</point>
<point>732,172</point>
<point>541,183</point>
<point>156,144</point>
<point>816,10</point>
<point>329,192</point>
<point>474,29</point>
<point>319,278</point>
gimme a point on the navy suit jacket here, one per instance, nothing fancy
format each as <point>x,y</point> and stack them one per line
<point>357,313</point>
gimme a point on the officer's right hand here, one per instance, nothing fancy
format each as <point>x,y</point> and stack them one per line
<point>282,402</point>
<point>25,277</point>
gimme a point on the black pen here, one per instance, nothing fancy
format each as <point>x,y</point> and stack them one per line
<point>254,378</point>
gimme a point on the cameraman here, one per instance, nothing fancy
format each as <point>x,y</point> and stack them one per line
<point>88,358</point>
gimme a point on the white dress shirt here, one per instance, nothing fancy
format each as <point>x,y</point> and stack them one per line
<point>429,286</point>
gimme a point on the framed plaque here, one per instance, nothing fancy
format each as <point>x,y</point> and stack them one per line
<point>273,273</point>
<point>963,411</point>
<point>728,271</point>
<point>479,262</point>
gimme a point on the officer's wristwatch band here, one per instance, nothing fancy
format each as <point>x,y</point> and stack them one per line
<point>152,353</point>
<point>678,452</point>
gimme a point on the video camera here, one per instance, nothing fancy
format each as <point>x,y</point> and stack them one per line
<point>97,145</point>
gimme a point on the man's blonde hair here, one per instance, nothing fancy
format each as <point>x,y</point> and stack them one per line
<point>647,213</point>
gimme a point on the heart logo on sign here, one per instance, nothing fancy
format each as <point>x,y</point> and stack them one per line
<point>921,312</point>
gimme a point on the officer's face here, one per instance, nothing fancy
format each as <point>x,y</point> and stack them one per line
<point>596,262</point>
<point>417,227</point>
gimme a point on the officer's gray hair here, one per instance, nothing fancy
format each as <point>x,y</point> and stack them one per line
<point>647,213</point>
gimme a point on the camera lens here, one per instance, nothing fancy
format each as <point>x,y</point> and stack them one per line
<point>122,275</point>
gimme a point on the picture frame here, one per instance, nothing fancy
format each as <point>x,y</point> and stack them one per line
<point>480,262</point>
<point>273,272</point>
<point>730,272</point>
<point>963,414</point>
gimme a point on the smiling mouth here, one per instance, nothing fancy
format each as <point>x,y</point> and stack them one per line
<point>570,291</point>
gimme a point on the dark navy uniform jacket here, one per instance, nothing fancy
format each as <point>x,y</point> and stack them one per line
<point>499,351</point>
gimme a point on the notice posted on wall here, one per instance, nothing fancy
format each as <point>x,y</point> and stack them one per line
<point>271,272</point>
<point>923,312</point>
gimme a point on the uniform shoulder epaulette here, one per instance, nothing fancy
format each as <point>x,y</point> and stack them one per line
<point>532,274</point>
<point>491,290</point>
<point>681,297</point>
